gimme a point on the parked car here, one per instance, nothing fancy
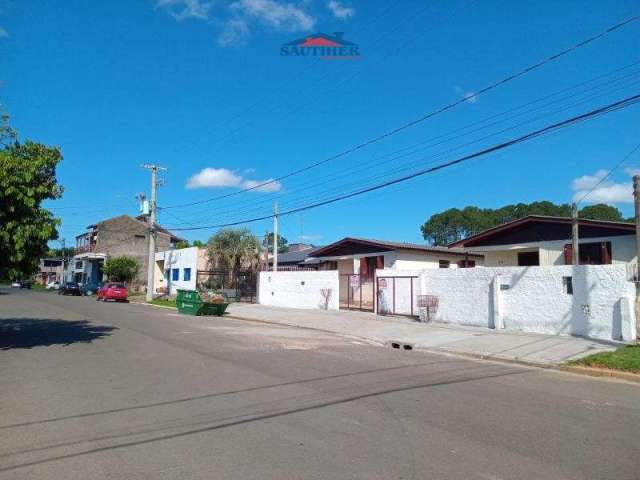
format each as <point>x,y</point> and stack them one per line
<point>16,284</point>
<point>113,291</point>
<point>70,288</point>
<point>53,285</point>
<point>26,284</point>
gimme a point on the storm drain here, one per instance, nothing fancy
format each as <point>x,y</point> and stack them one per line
<point>401,346</point>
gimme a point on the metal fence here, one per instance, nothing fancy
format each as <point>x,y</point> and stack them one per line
<point>240,286</point>
<point>357,292</point>
<point>397,295</point>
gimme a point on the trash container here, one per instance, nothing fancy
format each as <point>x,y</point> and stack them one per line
<point>190,302</point>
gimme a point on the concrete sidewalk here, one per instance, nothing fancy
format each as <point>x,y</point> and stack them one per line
<point>542,350</point>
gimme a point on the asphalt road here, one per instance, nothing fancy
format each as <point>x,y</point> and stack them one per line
<point>121,391</point>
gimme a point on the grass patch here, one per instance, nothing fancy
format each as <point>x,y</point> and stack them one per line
<point>163,302</point>
<point>625,358</point>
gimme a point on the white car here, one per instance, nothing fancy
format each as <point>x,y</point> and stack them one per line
<point>16,284</point>
<point>53,286</point>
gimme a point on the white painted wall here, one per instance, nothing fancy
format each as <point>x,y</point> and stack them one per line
<point>181,258</point>
<point>533,299</point>
<point>298,289</point>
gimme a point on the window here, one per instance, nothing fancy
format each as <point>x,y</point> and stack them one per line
<point>79,265</point>
<point>187,274</point>
<point>567,284</point>
<point>466,263</point>
<point>528,259</point>
<point>444,263</point>
<point>590,253</point>
<point>175,274</point>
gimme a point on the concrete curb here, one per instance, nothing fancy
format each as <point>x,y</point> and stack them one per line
<point>601,372</point>
<point>166,307</point>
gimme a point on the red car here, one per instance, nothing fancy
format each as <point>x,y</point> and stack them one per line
<point>112,291</point>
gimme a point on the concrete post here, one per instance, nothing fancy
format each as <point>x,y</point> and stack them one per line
<point>497,310</point>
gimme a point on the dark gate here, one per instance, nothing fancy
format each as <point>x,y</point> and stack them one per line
<point>397,295</point>
<point>357,292</point>
<point>239,286</point>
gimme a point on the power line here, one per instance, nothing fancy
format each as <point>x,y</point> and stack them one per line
<point>349,172</point>
<point>536,133</point>
<point>618,165</point>
<point>421,119</point>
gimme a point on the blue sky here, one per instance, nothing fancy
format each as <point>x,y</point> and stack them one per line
<point>201,88</point>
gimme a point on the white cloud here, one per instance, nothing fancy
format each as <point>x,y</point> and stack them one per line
<point>235,32</point>
<point>183,9</point>
<point>239,17</point>
<point>223,177</point>
<point>279,15</point>
<point>3,33</point>
<point>339,10</point>
<point>606,192</point>
<point>588,181</point>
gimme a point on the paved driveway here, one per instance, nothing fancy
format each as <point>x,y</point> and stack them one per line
<point>123,391</point>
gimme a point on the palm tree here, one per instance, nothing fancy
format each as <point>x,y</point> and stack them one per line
<point>235,247</point>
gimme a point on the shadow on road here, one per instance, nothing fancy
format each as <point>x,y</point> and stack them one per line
<point>43,332</point>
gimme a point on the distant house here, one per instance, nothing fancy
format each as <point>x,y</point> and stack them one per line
<point>298,257</point>
<point>541,240</point>
<point>50,270</point>
<point>122,235</point>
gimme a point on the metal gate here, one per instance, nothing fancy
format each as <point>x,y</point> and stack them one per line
<point>357,292</point>
<point>239,286</point>
<point>397,295</point>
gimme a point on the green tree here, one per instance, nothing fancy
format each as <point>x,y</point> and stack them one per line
<point>283,243</point>
<point>66,252</point>
<point>455,224</point>
<point>235,247</point>
<point>601,211</point>
<point>198,243</point>
<point>182,244</point>
<point>27,178</point>
<point>121,269</point>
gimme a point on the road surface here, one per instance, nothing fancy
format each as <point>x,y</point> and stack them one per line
<point>123,391</point>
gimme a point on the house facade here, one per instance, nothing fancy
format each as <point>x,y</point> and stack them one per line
<point>122,235</point>
<point>357,261</point>
<point>544,241</point>
<point>178,269</point>
<point>50,270</point>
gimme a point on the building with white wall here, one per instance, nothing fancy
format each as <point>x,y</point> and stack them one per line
<point>358,259</point>
<point>178,269</point>
<point>540,241</point>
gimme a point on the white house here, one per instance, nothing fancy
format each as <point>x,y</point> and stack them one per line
<point>358,259</point>
<point>540,240</point>
<point>178,269</point>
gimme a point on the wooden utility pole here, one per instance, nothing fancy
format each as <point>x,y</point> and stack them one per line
<point>275,237</point>
<point>575,252</point>
<point>151,259</point>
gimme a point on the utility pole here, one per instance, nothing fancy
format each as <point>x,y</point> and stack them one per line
<point>265,244</point>
<point>575,253</point>
<point>151,260</point>
<point>275,237</point>
<point>636,201</point>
